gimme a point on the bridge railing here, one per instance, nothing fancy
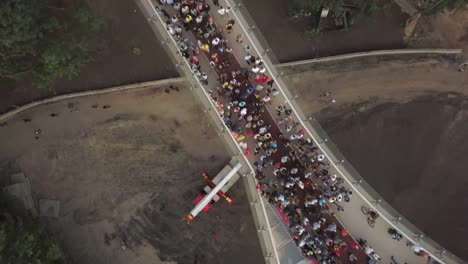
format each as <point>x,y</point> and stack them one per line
<point>257,204</point>
<point>389,213</point>
<point>330,150</point>
<point>252,29</point>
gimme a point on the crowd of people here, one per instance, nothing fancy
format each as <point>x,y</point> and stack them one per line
<point>292,173</point>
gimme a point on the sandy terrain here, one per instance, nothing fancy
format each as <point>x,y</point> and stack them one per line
<point>286,37</point>
<point>130,172</point>
<point>448,29</point>
<point>407,121</point>
<point>377,81</point>
<point>115,64</point>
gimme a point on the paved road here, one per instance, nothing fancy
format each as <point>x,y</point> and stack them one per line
<point>352,218</point>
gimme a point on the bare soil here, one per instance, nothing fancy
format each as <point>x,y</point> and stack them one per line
<point>413,155</point>
<point>124,27</point>
<point>286,37</point>
<point>448,29</point>
<point>374,80</point>
<point>131,172</point>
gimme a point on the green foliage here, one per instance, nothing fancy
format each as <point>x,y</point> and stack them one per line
<point>449,4</point>
<point>367,8</point>
<point>312,34</point>
<point>136,51</point>
<point>50,41</point>
<point>23,240</point>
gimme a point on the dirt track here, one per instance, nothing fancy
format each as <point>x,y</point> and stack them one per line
<point>131,172</point>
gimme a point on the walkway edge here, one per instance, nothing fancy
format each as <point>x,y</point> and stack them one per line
<point>371,54</point>
<point>116,89</point>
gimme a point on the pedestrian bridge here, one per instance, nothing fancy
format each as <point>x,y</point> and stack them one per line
<point>276,242</point>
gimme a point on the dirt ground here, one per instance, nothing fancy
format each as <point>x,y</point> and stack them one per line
<point>378,80</point>
<point>286,37</point>
<point>124,27</point>
<point>448,29</point>
<point>407,121</point>
<point>413,154</point>
<point>130,172</point>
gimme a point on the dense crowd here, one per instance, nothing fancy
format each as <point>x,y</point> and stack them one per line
<point>292,173</point>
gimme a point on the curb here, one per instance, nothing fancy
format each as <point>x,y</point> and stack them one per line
<point>117,89</point>
<point>371,54</point>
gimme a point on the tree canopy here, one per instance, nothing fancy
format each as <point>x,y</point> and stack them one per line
<point>24,240</point>
<point>50,41</point>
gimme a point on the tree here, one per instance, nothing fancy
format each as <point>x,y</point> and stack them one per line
<point>23,240</point>
<point>51,41</point>
<point>366,8</point>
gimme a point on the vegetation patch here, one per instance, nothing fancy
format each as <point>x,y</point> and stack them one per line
<point>24,240</point>
<point>50,39</point>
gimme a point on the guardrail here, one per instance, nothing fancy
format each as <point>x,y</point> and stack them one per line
<point>358,55</point>
<point>334,156</point>
<point>257,203</point>
<point>117,89</point>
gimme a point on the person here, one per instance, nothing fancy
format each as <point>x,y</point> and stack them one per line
<point>275,92</point>
<point>205,47</point>
<point>239,38</point>
<point>352,258</point>
<point>416,248</point>
<point>199,19</point>
<point>270,83</point>
<point>247,58</point>
<point>166,14</point>
<point>204,78</point>
<point>229,25</point>
<point>215,42</point>
<point>221,11</point>
<point>368,250</point>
